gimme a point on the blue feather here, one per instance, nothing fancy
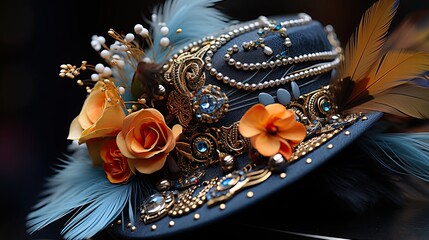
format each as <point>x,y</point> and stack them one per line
<point>81,188</point>
<point>197,19</point>
<point>403,153</point>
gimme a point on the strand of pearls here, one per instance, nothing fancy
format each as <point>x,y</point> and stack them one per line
<point>313,70</point>
<point>325,55</point>
<point>217,42</point>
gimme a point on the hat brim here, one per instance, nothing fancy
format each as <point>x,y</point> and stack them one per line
<point>242,200</point>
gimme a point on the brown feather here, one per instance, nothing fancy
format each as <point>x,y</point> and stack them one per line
<point>363,49</point>
<point>365,44</point>
<point>406,100</point>
<point>389,71</point>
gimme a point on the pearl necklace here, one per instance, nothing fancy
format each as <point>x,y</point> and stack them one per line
<point>263,23</point>
<point>313,70</point>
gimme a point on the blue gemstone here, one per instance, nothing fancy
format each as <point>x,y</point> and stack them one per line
<point>225,182</point>
<point>261,33</point>
<point>278,27</point>
<point>202,147</point>
<point>326,105</point>
<point>208,104</point>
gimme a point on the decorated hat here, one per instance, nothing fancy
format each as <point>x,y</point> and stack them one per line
<point>194,116</point>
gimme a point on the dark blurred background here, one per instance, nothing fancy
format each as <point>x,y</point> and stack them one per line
<point>36,106</point>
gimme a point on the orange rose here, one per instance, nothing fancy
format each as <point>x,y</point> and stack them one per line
<point>115,164</point>
<point>101,115</point>
<point>145,140</point>
<point>272,129</point>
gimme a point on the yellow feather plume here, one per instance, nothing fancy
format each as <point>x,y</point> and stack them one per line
<point>391,70</point>
<point>376,75</point>
<point>364,46</point>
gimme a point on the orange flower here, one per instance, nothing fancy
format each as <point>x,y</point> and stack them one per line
<point>101,115</point>
<point>272,129</point>
<point>115,164</point>
<point>145,140</point>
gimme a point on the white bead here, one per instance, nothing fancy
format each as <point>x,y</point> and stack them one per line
<point>101,40</point>
<point>95,45</point>
<point>95,77</point>
<point>105,54</point>
<point>121,90</point>
<point>99,68</point>
<point>147,60</point>
<point>144,32</point>
<point>129,37</point>
<point>164,41</point>
<point>123,48</point>
<point>164,30</point>
<point>107,72</point>
<point>138,28</point>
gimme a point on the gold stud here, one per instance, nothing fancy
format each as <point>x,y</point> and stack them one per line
<point>222,206</point>
<point>153,227</point>
<point>119,221</point>
<point>129,225</point>
<point>364,118</point>
<point>249,194</point>
<point>282,175</point>
<point>197,216</point>
<point>308,160</point>
<point>330,146</point>
<point>347,133</point>
<point>171,223</point>
<point>133,228</point>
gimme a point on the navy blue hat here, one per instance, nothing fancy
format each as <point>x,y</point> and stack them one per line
<point>198,116</point>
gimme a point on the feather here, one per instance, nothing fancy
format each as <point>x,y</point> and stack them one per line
<point>82,189</point>
<point>364,46</point>
<point>389,71</point>
<point>401,153</point>
<point>196,19</point>
<point>363,49</point>
<point>416,29</point>
<point>403,101</point>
